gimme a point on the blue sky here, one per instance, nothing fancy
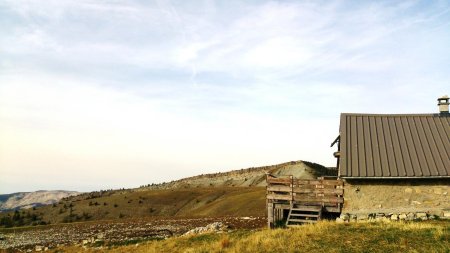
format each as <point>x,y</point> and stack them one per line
<point>109,94</point>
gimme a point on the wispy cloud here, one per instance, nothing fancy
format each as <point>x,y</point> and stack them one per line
<point>197,87</point>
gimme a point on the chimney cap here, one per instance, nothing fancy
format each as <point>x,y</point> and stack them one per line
<point>445,97</point>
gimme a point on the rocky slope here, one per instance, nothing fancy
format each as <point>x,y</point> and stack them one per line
<point>255,176</point>
<point>24,200</point>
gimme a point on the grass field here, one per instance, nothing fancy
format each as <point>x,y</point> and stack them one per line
<point>189,202</point>
<point>324,236</point>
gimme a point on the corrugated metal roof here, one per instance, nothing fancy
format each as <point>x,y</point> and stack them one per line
<point>394,146</point>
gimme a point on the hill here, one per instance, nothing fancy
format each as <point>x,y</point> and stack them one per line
<point>254,176</point>
<point>24,200</point>
<point>234,193</point>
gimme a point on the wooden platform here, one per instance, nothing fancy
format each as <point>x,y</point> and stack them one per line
<point>296,201</point>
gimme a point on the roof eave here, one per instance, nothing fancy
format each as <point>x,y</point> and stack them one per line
<point>430,177</point>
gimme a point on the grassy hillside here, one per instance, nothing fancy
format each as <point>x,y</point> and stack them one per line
<point>320,237</point>
<point>190,202</point>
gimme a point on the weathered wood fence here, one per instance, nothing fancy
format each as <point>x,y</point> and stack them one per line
<point>287,193</point>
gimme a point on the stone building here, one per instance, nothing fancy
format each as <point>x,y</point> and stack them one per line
<point>395,163</point>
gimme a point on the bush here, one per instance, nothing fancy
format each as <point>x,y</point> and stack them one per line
<point>7,222</point>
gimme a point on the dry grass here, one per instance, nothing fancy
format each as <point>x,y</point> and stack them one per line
<point>320,237</point>
<point>190,202</point>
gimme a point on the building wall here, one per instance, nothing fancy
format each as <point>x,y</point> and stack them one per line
<point>396,195</point>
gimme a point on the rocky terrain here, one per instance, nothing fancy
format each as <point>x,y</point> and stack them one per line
<point>105,233</point>
<point>255,176</point>
<point>204,203</point>
<point>24,200</point>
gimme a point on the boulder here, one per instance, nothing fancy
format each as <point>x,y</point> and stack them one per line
<point>339,220</point>
<point>344,217</point>
<point>402,216</point>
<point>394,217</point>
<point>410,216</point>
<point>422,216</point>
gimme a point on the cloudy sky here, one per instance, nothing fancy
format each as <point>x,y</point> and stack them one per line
<point>108,94</point>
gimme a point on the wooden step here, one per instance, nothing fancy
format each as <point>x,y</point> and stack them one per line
<point>305,215</point>
<point>308,208</point>
<point>302,221</point>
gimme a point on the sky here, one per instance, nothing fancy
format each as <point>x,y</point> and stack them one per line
<point>110,94</point>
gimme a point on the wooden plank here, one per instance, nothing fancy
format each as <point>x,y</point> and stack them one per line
<point>319,199</point>
<point>309,186</point>
<point>307,208</point>
<point>320,191</point>
<point>279,188</point>
<point>318,182</point>
<point>279,197</point>
<point>270,220</point>
<point>278,181</point>
<point>304,215</point>
<point>302,221</point>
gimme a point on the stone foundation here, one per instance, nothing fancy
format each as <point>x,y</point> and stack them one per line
<point>397,197</point>
<point>411,216</point>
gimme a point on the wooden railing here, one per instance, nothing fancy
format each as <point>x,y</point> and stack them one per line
<point>320,192</point>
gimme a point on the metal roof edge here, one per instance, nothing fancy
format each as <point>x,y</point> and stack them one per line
<point>432,177</point>
<point>394,115</point>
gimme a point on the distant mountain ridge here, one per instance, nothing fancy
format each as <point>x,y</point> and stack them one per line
<point>24,200</point>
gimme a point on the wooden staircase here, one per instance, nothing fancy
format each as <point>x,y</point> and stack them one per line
<point>303,214</point>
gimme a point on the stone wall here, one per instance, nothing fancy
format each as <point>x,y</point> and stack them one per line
<point>363,197</point>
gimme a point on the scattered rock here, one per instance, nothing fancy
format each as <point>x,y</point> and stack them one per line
<point>363,217</point>
<point>339,220</point>
<point>421,215</point>
<point>394,217</point>
<point>379,215</point>
<point>344,217</point>
<point>408,190</point>
<point>210,228</point>
<point>402,216</point>
<point>39,248</point>
<point>437,191</point>
<point>410,216</point>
